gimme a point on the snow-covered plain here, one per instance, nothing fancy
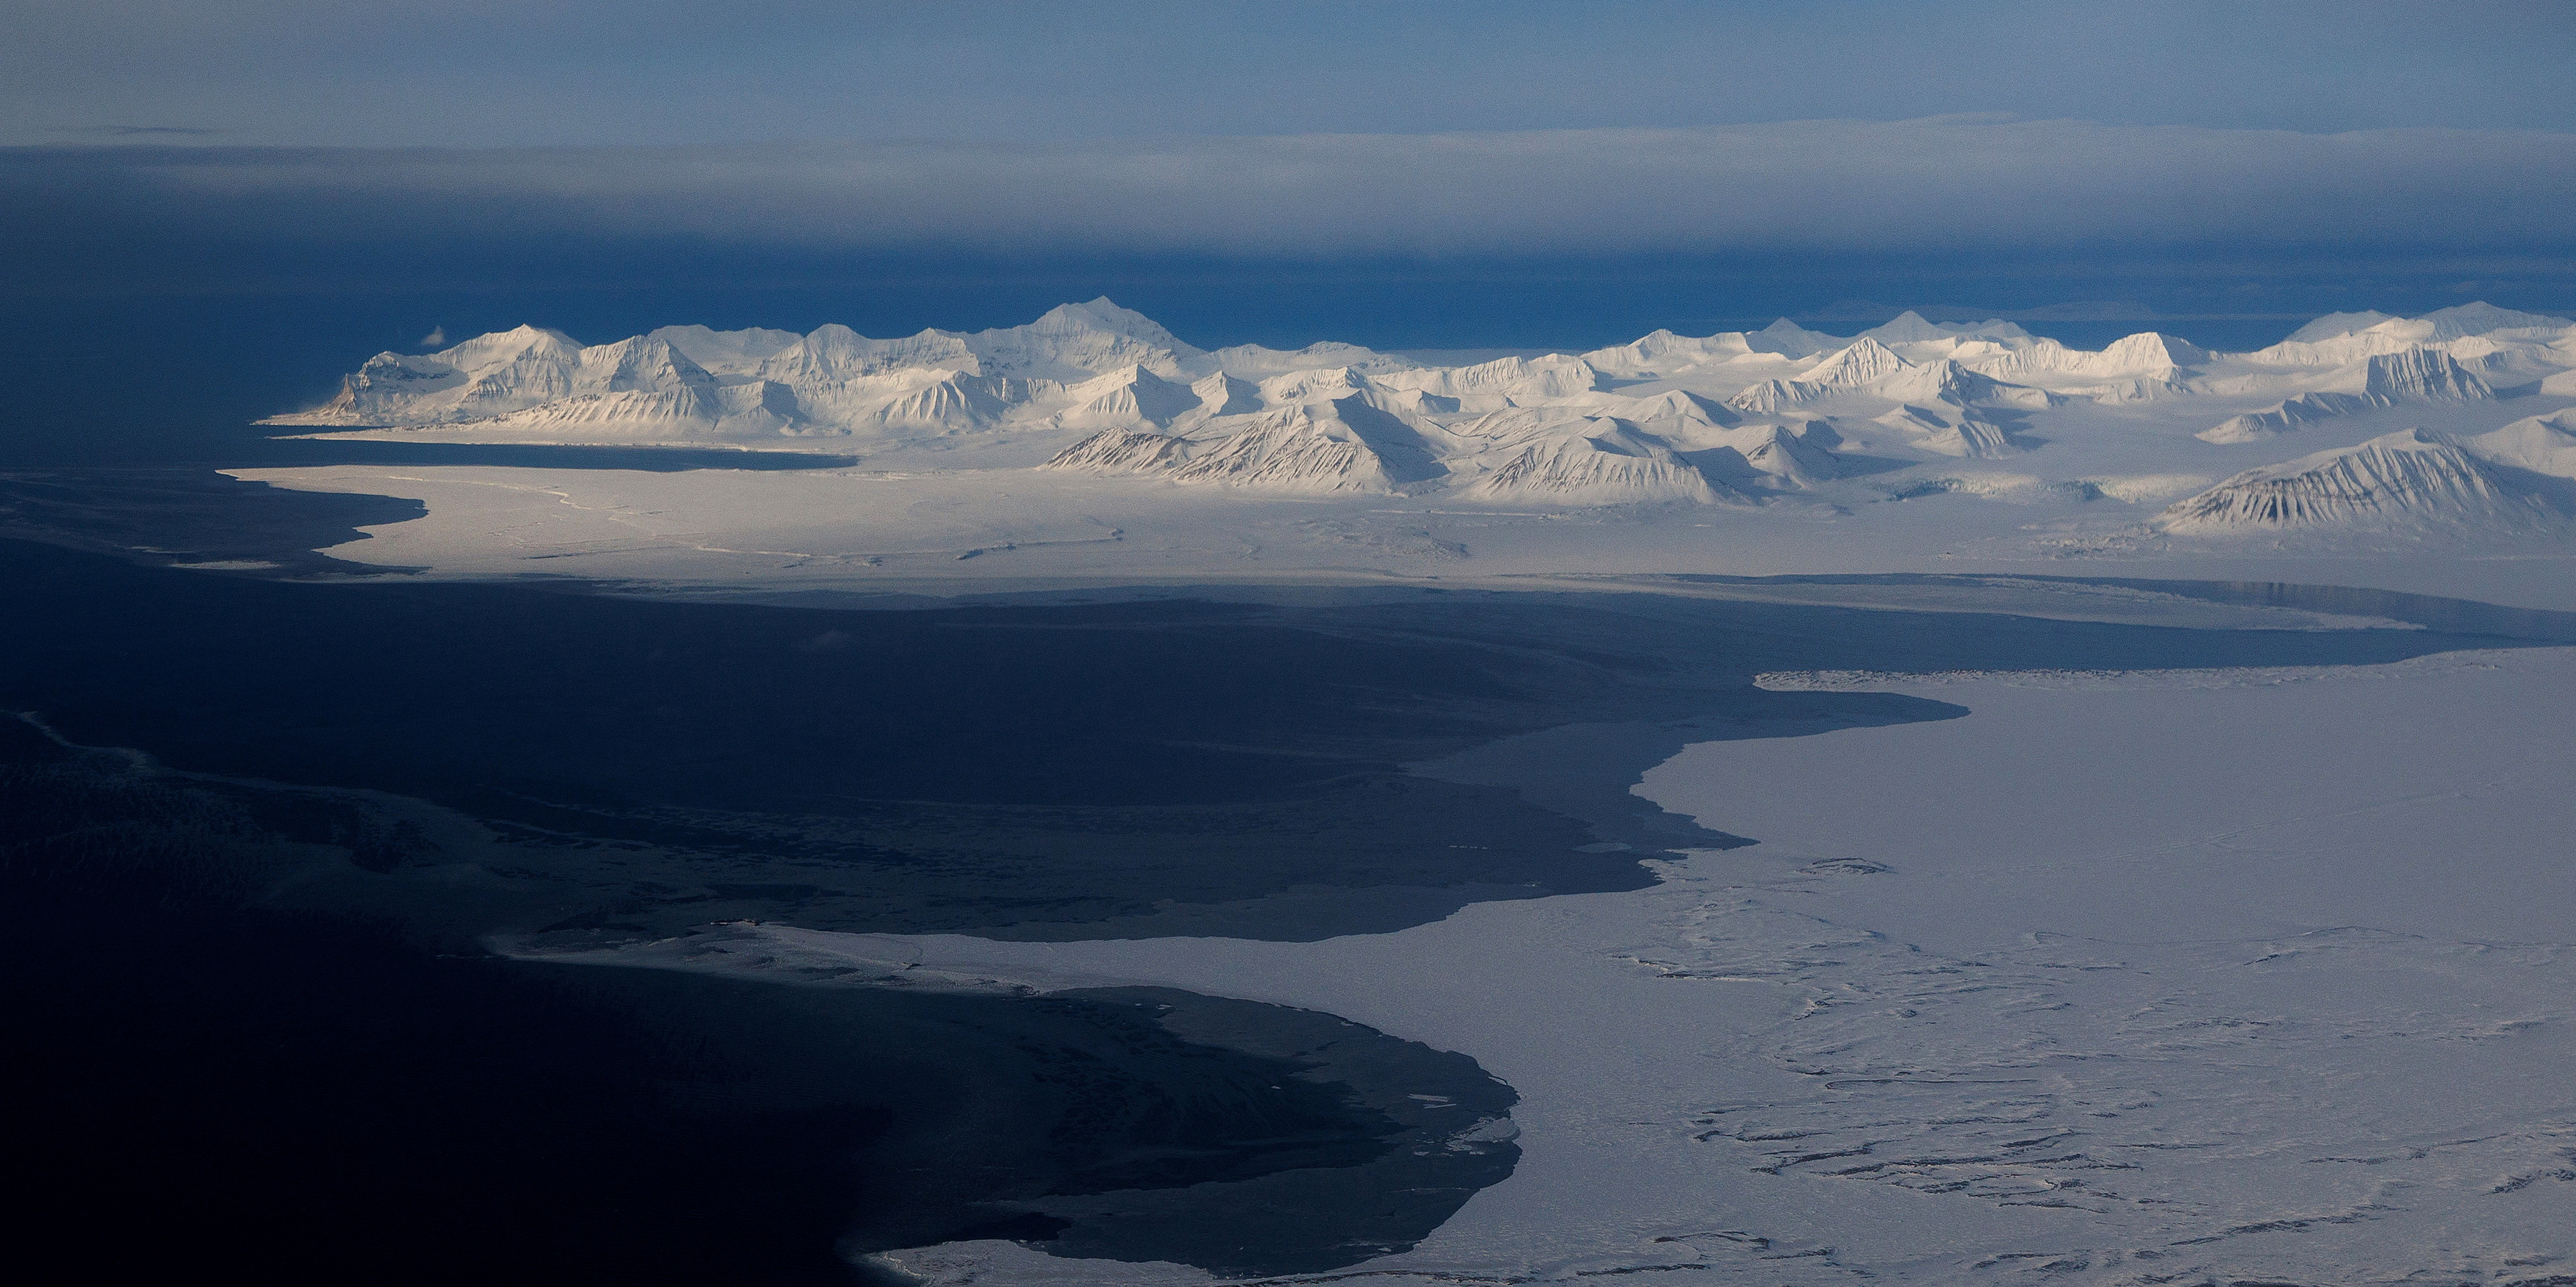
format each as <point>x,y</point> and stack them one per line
<point>2122,978</point>
<point>2427,454</point>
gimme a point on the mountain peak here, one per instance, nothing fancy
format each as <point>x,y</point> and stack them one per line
<point>522,336</point>
<point>517,343</point>
<point>1860,362</point>
<point>1906,328</point>
<point>1104,315</point>
<point>2333,325</point>
<point>1910,327</point>
<point>1789,339</point>
<point>2462,320</point>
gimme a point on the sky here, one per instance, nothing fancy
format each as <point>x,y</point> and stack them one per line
<point>510,73</point>
<point>1424,174</point>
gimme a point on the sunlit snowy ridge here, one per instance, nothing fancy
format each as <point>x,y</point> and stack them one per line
<point>1737,418</point>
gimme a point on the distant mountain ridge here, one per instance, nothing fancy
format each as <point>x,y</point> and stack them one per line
<point>1730,418</point>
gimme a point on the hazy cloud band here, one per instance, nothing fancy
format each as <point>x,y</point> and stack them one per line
<point>1824,186</point>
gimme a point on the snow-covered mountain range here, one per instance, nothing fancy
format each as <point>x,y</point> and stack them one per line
<point>1736,418</point>
<point>2520,476</point>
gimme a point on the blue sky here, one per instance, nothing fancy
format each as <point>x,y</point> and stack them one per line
<point>477,73</point>
<point>1433,173</point>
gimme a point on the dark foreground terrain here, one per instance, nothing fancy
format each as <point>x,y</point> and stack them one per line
<point>271,1022</point>
<point>316,1096</point>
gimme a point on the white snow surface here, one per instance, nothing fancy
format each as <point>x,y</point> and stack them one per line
<point>2260,975</point>
<point>1779,450</point>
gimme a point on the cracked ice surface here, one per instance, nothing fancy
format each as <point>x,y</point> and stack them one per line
<point>2119,979</point>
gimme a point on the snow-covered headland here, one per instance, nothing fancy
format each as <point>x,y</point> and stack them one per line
<point>1095,445</point>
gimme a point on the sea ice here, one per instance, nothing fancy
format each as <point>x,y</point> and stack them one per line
<point>2123,977</point>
